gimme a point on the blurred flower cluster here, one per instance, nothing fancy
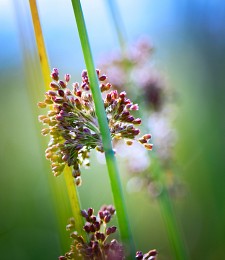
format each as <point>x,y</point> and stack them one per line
<point>73,125</point>
<point>99,245</point>
<point>134,71</point>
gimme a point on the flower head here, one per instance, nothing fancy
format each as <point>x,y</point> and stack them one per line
<point>98,245</point>
<point>73,125</point>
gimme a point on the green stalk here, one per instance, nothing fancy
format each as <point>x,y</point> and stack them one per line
<point>68,182</point>
<point>118,23</point>
<point>173,230</point>
<point>165,202</point>
<point>124,227</point>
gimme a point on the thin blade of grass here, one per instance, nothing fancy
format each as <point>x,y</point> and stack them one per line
<point>68,184</point>
<point>116,187</point>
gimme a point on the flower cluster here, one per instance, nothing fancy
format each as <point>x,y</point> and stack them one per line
<point>134,71</point>
<point>73,125</point>
<point>99,246</point>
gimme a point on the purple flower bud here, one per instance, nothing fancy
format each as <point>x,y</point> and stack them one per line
<point>110,230</point>
<point>107,218</point>
<point>115,94</point>
<point>134,107</point>
<point>84,213</point>
<point>130,119</point>
<point>92,228</point>
<point>54,86</point>
<point>142,140</point>
<point>58,100</point>
<point>51,93</point>
<point>97,225</point>
<point>128,106</point>
<point>59,117</point>
<point>55,74</point>
<point>102,78</point>
<point>113,229</point>
<point>84,74</point>
<point>139,255</point>
<point>95,246</point>
<point>101,214</point>
<point>87,227</point>
<point>78,147</point>
<point>100,236</point>
<point>67,77</point>
<point>123,95</point>
<point>61,92</point>
<point>62,84</point>
<point>125,114</point>
<point>147,136</point>
<point>137,121</point>
<point>90,211</point>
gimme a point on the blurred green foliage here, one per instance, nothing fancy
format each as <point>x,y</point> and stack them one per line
<point>190,42</point>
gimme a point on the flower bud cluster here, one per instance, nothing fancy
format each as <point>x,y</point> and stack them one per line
<point>73,125</point>
<point>98,246</point>
<point>135,70</point>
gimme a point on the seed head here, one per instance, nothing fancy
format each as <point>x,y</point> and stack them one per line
<point>73,125</point>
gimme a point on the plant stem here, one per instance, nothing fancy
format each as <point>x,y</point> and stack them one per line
<point>69,182</point>
<point>118,23</point>
<point>172,225</point>
<point>104,129</point>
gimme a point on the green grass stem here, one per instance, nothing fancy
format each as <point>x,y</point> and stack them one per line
<point>118,23</point>
<point>124,226</point>
<point>68,183</point>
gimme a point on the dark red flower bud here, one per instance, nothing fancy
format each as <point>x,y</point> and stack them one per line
<point>90,211</point>
<point>61,93</point>
<point>62,84</point>
<point>102,78</point>
<point>137,121</point>
<point>123,95</point>
<point>92,228</point>
<point>97,226</point>
<point>55,76</point>
<point>51,93</point>
<point>107,218</point>
<point>147,136</point>
<point>101,215</point>
<point>87,227</point>
<point>130,119</point>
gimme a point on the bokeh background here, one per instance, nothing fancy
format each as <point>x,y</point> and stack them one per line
<point>189,39</point>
